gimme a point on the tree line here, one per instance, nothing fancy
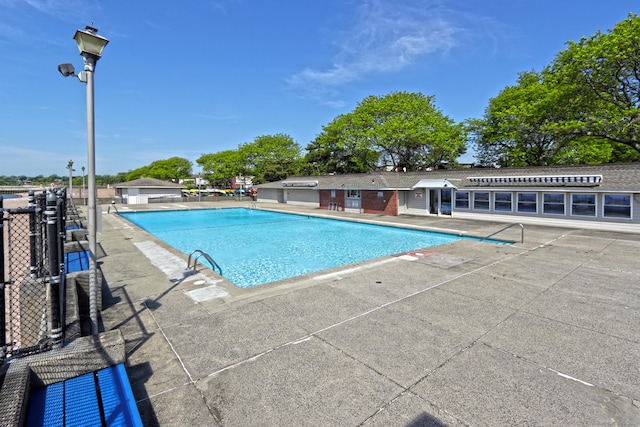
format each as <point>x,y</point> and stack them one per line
<point>582,108</point>
<point>45,181</point>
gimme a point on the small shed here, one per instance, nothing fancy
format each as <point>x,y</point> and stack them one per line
<point>139,191</point>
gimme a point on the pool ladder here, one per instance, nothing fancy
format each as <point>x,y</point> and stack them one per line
<point>113,205</point>
<point>206,256</point>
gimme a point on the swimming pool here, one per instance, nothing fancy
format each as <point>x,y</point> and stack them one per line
<point>254,247</point>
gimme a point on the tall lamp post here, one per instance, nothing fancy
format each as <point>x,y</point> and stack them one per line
<point>198,185</point>
<point>83,195</point>
<point>90,45</point>
<point>71,170</point>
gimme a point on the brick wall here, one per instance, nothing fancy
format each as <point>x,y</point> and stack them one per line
<point>372,202</point>
<point>384,202</point>
<point>325,199</point>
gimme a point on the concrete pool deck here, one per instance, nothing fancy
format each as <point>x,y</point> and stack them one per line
<point>543,332</point>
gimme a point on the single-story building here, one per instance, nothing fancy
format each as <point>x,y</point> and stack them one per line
<point>139,191</point>
<point>557,195</point>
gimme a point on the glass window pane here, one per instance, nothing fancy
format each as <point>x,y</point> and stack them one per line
<point>462,199</point>
<point>527,202</point>
<point>553,209</point>
<point>553,203</point>
<point>583,210</point>
<point>554,198</point>
<point>503,197</point>
<point>527,197</point>
<point>583,204</point>
<point>502,202</point>
<point>617,199</point>
<point>527,207</point>
<point>617,211</point>
<point>617,206</point>
<point>481,201</point>
<point>584,198</point>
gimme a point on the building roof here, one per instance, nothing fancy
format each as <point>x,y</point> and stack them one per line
<point>148,183</point>
<point>605,177</point>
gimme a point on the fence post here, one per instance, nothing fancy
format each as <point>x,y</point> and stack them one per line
<point>61,238</point>
<point>33,238</point>
<point>3,332</point>
<point>54,268</point>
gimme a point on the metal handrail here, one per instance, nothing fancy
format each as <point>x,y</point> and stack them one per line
<point>206,256</point>
<point>114,207</point>
<point>506,228</point>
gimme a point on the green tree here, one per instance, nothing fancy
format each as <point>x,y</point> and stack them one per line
<point>173,169</point>
<point>399,130</point>
<point>138,173</point>
<point>270,157</point>
<point>518,125</point>
<point>603,74</point>
<point>219,168</point>
<point>336,150</point>
<point>584,107</point>
<point>120,177</point>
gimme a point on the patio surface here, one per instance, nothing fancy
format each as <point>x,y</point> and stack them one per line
<point>544,332</point>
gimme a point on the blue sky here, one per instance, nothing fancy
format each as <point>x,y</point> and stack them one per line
<point>189,78</point>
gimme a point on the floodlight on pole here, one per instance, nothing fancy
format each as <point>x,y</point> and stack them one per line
<point>91,46</point>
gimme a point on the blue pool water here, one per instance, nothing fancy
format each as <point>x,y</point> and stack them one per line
<point>254,247</point>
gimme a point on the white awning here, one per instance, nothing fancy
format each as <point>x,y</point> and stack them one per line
<point>541,179</point>
<point>300,183</point>
<point>433,183</point>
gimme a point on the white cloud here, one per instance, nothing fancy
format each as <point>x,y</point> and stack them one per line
<point>58,8</point>
<point>18,17</point>
<point>387,36</point>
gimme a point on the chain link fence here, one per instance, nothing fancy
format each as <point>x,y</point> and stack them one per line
<point>32,274</point>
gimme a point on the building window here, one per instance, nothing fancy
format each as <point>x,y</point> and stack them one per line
<point>353,194</point>
<point>553,203</point>
<point>617,206</point>
<point>527,202</point>
<point>481,201</point>
<point>462,200</point>
<point>502,202</point>
<point>583,204</point>
<point>333,194</point>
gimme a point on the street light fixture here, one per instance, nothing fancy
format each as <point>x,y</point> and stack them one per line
<point>90,45</point>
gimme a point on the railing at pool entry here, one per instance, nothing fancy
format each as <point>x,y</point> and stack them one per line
<point>506,228</point>
<point>206,256</point>
<point>113,204</point>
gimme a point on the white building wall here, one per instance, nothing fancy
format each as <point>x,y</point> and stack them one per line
<point>132,195</point>
<point>268,195</point>
<point>136,196</point>
<point>303,197</point>
<point>169,193</point>
<point>417,200</point>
